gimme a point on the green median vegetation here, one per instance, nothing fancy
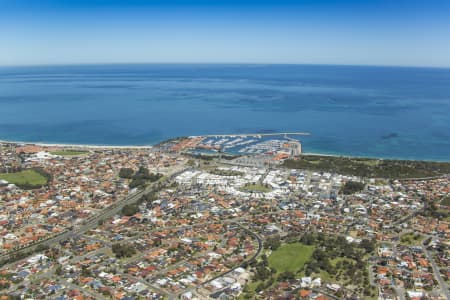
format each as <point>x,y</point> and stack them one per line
<point>369,167</point>
<point>130,209</point>
<point>27,179</point>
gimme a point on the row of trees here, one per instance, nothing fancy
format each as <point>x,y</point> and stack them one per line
<point>10,169</point>
<point>131,209</point>
<point>261,268</point>
<point>272,243</point>
<point>18,255</point>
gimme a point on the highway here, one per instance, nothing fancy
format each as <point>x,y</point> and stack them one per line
<point>87,224</point>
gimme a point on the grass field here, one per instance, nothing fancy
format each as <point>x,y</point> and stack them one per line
<point>255,188</point>
<point>68,152</point>
<point>290,257</point>
<point>25,177</point>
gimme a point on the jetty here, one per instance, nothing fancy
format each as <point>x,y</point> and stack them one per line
<point>256,134</point>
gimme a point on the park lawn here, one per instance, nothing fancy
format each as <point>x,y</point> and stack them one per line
<point>68,152</point>
<point>24,177</point>
<point>255,188</point>
<point>290,257</point>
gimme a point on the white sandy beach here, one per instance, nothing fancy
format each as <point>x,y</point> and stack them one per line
<point>78,146</point>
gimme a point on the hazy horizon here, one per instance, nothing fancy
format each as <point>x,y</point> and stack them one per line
<point>217,63</point>
<point>322,32</point>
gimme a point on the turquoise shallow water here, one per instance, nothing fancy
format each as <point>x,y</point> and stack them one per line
<point>363,111</point>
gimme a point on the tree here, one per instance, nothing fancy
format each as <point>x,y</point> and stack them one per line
<point>142,176</point>
<point>307,239</point>
<point>272,243</point>
<point>58,270</point>
<point>130,209</point>
<point>286,276</point>
<point>142,172</point>
<point>259,287</point>
<point>85,272</point>
<point>368,245</point>
<point>126,173</point>
<point>351,187</point>
<point>122,250</point>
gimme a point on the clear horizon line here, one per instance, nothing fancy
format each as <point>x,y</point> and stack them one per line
<point>218,63</point>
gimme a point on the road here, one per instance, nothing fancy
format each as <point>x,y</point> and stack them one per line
<point>89,223</point>
<point>260,247</point>
<point>323,291</point>
<point>371,275</point>
<point>399,291</point>
<point>83,290</point>
<point>437,275</point>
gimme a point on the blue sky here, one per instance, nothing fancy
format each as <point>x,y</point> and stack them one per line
<point>358,32</point>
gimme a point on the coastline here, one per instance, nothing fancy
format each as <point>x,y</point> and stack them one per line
<point>78,146</point>
<point>89,146</point>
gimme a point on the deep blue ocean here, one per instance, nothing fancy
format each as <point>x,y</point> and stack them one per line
<point>365,111</point>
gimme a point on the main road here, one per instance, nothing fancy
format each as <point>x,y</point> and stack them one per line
<point>437,274</point>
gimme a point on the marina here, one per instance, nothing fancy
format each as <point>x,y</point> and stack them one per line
<point>270,144</point>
